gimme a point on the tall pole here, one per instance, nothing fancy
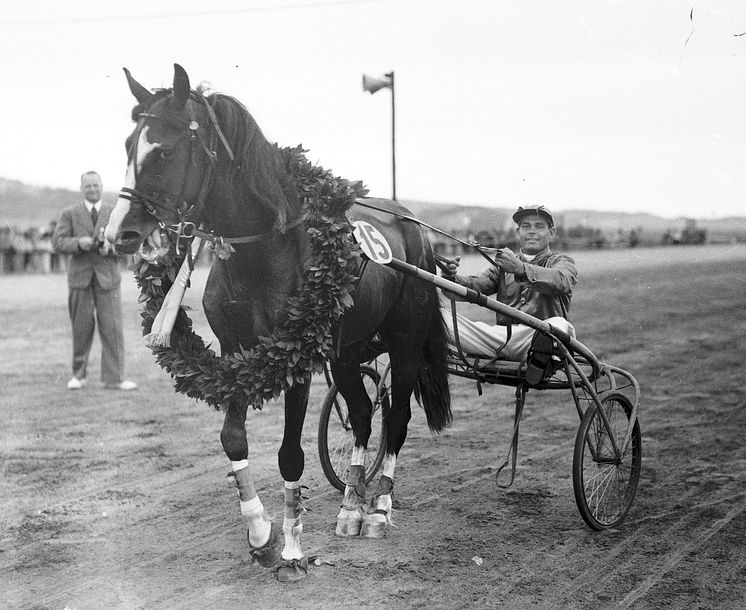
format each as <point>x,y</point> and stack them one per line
<point>371,85</point>
<point>390,75</point>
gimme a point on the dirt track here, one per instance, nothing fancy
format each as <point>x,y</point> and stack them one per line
<point>121,500</point>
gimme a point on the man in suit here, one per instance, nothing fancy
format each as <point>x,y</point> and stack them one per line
<point>93,282</point>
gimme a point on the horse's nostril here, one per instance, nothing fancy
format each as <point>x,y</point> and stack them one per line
<point>128,236</point>
<point>128,242</point>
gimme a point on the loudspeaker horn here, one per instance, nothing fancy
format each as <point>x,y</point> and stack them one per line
<point>372,85</point>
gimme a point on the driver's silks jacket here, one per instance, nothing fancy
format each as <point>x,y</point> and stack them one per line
<point>543,291</point>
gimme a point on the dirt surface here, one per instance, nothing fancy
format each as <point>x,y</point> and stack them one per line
<point>120,500</point>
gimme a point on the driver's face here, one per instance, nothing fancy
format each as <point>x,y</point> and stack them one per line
<point>534,234</point>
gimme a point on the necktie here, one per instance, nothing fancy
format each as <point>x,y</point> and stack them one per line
<point>94,216</point>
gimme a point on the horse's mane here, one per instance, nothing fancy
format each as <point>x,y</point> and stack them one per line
<point>257,172</point>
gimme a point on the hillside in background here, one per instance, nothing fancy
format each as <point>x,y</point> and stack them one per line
<point>456,218</point>
<point>22,205</point>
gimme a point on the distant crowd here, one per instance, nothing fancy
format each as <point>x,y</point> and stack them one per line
<point>29,249</point>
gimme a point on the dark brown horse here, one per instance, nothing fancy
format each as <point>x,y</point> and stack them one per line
<point>204,156</point>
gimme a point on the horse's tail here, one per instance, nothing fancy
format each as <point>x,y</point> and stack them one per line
<point>432,376</point>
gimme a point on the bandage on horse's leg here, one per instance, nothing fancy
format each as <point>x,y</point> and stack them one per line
<point>350,517</point>
<point>293,565</point>
<point>262,536</point>
<point>378,516</point>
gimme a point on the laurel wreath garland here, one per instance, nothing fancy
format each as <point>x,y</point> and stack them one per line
<point>302,340</point>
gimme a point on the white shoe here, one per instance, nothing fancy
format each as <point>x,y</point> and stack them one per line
<point>75,383</point>
<point>125,386</point>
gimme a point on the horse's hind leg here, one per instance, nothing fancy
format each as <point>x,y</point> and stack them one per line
<point>403,376</point>
<point>264,543</point>
<point>350,384</point>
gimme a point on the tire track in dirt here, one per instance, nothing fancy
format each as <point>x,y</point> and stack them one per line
<point>674,558</point>
<point>682,528</point>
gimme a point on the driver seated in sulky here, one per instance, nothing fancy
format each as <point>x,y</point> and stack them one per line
<point>536,281</point>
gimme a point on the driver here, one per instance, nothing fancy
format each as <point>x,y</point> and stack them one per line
<point>536,281</point>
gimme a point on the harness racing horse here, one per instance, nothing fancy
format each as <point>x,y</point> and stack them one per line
<point>206,158</point>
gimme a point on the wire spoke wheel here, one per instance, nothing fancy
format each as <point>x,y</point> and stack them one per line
<point>336,439</point>
<point>604,478</point>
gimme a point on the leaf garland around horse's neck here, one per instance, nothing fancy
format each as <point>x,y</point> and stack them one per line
<point>302,341</point>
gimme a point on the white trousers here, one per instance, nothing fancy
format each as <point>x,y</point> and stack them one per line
<point>481,339</point>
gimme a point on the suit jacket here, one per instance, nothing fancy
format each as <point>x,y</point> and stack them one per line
<point>74,223</point>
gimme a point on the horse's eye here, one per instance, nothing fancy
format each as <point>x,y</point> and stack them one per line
<point>164,153</point>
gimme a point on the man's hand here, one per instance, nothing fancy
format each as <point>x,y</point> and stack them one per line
<point>509,262</point>
<point>105,248</point>
<point>451,268</point>
<point>86,243</point>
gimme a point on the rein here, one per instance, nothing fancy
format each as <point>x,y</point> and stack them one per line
<point>483,250</point>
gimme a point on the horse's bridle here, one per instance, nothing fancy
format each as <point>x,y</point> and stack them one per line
<point>189,215</point>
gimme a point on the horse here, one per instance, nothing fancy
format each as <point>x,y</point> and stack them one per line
<point>203,156</point>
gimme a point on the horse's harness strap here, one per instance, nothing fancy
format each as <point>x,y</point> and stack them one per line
<point>520,400</point>
<point>152,203</point>
<point>216,125</point>
<point>247,239</point>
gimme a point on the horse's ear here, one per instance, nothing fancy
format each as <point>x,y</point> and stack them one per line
<point>181,87</point>
<point>141,93</point>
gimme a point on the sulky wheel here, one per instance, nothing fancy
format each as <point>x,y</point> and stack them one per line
<point>605,484</point>
<point>336,439</point>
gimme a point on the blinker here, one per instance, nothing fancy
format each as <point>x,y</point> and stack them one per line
<point>193,125</point>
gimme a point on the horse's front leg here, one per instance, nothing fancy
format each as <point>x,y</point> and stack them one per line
<point>264,540</point>
<point>293,564</point>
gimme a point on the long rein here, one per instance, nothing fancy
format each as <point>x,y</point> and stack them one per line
<point>440,260</point>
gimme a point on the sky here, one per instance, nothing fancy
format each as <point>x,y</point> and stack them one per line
<point>617,105</point>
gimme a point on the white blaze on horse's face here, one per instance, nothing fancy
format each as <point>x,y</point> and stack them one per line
<point>144,149</point>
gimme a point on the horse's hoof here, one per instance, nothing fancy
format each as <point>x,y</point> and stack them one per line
<point>374,526</point>
<point>269,554</point>
<point>292,570</point>
<point>349,522</point>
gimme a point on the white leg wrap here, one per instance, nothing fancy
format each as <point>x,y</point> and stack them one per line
<point>389,465</point>
<point>292,528</point>
<point>252,506</point>
<point>358,457</point>
<point>259,525</point>
<point>239,464</point>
